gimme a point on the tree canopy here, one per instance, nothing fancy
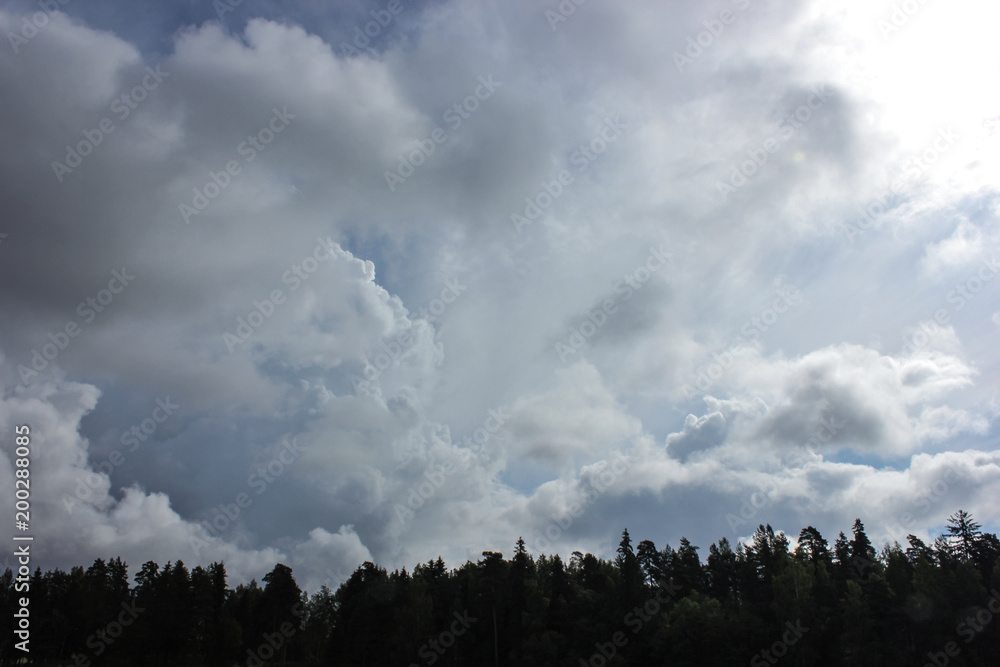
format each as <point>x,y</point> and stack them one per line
<point>757,603</point>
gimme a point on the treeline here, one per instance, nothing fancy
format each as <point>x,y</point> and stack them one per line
<point>760,604</point>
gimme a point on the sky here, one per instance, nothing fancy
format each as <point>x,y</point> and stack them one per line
<point>321,283</point>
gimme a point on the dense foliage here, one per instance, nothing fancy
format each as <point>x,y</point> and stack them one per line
<point>759,604</point>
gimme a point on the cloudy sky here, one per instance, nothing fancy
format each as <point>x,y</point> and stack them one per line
<point>392,280</point>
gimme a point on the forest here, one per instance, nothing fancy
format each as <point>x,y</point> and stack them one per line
<point>762,603</point>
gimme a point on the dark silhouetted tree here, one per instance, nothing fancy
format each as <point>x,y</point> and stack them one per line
<point>964,533</point>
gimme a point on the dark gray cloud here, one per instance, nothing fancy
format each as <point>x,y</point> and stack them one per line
<point>231,243</point>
